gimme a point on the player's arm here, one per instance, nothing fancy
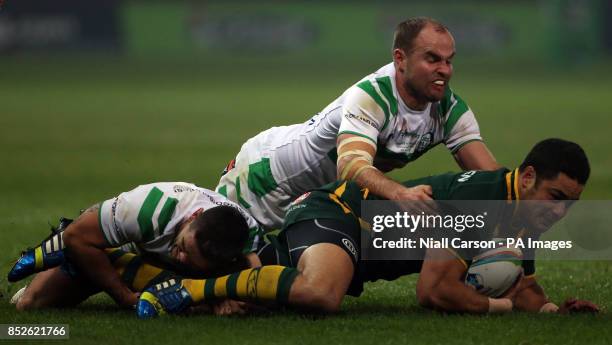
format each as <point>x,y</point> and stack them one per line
<point>363,119</point>
<point>531,297</point>
<point>441,287</point>
<point>475,156</point>
<point>85,244</point>
<point>462,137</point>
<point>355,162</point>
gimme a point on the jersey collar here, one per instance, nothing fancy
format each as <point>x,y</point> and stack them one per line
<point>512,185</point>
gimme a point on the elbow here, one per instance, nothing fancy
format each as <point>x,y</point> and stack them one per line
<point>430,301</point>
<point>69,238</point>
<point>425,297</point>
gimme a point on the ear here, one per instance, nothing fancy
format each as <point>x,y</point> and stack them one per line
<point>398,57</point>
<point>527,178</point>
<point>195,214</point>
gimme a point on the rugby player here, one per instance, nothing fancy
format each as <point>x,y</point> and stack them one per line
<point>174,225</point>
<point>384,121</point>
<point>315,260</point>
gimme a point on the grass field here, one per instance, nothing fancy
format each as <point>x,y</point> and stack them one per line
<point>76,132</point>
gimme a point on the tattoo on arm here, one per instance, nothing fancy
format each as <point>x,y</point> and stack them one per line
<point>90,209</point>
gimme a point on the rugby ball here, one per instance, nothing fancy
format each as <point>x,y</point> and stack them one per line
<point>493,272</point>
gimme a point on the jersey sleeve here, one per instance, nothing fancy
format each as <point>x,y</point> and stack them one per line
<point>461,126</point>
<point>130,216</point>
<point>255,240</point>
<point>361,114</point>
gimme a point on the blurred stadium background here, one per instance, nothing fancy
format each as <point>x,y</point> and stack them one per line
<point>97,97</point>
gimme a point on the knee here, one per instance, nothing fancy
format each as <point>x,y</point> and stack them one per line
<point>320,298</point>
<point>30,299</point>
<point>25,302</point>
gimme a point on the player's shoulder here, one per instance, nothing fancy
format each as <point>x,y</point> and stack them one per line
<point>466,185</point>
<point>377,88</point>
<point>451,104</point>
<point>167,187</point>
<point>479,185</point>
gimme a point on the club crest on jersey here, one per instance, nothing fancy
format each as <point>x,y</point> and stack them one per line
<point>424,142</point>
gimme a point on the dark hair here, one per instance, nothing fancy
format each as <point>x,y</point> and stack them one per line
<point>408,30</point>
<point>553,156</point>
<point>221,234</point>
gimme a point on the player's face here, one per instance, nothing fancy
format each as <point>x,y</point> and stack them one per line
<point>187,253</point>
<point>424,72</point>
<point>548,201</point>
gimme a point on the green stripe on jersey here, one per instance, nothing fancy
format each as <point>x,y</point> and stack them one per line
<point>260,179</point>
<point>145,216</point>
<point>367,86</point>
<point>241,201</point>
<point>358,134</point>
<point>166,214</point>
<point>384,83</point>
<point>223,190</point>
<point>457,108</point>
<point>446,102</point>
<point>253,232</point>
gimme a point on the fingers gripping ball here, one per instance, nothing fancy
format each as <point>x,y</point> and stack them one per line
<point>495,271</point>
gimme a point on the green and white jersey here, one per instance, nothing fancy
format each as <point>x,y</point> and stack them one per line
<point>282,163</point>
<point>149,216</point>
<point>373,109</point>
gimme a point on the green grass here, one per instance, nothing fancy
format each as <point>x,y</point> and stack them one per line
<point>76,132</point>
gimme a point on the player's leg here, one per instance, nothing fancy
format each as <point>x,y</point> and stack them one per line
<point>54,288</point>
<point>324,273</point>
<point>50,253</point>
<point>65,287</point>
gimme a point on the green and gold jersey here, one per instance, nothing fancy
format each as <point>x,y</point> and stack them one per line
<point>501,184</point>
<point>471,185</point>
<point>341,200</point>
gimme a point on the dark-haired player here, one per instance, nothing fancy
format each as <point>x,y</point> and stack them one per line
<point>315,260</point>
<point>179,226</point>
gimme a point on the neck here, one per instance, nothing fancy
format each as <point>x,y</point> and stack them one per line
<point>410,100</point>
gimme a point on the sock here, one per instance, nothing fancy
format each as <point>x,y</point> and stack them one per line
<point>262,284</point>
<point>136,273</point>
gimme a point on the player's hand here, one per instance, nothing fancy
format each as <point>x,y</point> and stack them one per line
<point>572,305</point>
<point>229,307</point>
<point>128,298</point>
<point>419,199</point>
<point>416,193</point>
